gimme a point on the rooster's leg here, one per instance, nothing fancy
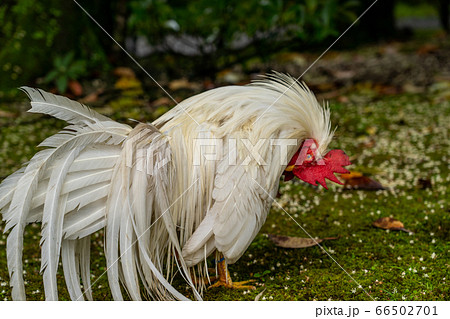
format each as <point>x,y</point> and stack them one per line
<point>203,280</point>
<point>225,278</point>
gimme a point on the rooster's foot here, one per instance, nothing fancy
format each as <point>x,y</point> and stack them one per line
<point>225,278</point>
<point>234,284</point>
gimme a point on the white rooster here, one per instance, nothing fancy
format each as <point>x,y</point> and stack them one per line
<point>199,179</point>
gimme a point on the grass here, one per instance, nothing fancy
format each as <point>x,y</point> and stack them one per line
<point>411,142</point>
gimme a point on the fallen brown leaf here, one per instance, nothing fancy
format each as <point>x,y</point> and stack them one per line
<point>390,223</point>
<point>75,87</point>
<point>296,242</point>
<point>184,84</point>
<point>427,48</point>
<point>92,97</point>
<point>123,72</point>
<point>7,114</point>
<point>351,175</point>
<point>162,101</point>
<point>343,99</point>
<point>356,180</point>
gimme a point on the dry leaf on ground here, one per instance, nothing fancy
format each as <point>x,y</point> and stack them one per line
<point>428,48</point>
<point>92,97</point>
<point>7,114</point>
<point>75,87</point>
<point>296,242</point>
<point>162,101</point>
<point>184,84</point>
<point>356,180</point>
<point>124,72</point>
<point>390,223</point>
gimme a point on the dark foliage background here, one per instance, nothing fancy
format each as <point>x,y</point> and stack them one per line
<point>51,41</point>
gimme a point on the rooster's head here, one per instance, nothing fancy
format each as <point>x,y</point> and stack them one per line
<point>311,167</point>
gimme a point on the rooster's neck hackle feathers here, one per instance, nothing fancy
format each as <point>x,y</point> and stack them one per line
<point>274,106</point>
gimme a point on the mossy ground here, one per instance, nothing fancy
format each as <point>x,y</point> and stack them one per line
<point>394,139</point>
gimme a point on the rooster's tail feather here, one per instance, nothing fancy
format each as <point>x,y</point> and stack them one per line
<point>95,173</point>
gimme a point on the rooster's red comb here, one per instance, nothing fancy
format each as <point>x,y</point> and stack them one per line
<point>313,173</point>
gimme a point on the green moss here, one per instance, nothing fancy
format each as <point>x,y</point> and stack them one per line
<point>411,142</point>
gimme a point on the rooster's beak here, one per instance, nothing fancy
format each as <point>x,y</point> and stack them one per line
<point>290,168</point>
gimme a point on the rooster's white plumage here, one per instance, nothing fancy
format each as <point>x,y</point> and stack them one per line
<point>164,208</point>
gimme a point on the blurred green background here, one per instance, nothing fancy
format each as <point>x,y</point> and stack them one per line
<point>49,43</point>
